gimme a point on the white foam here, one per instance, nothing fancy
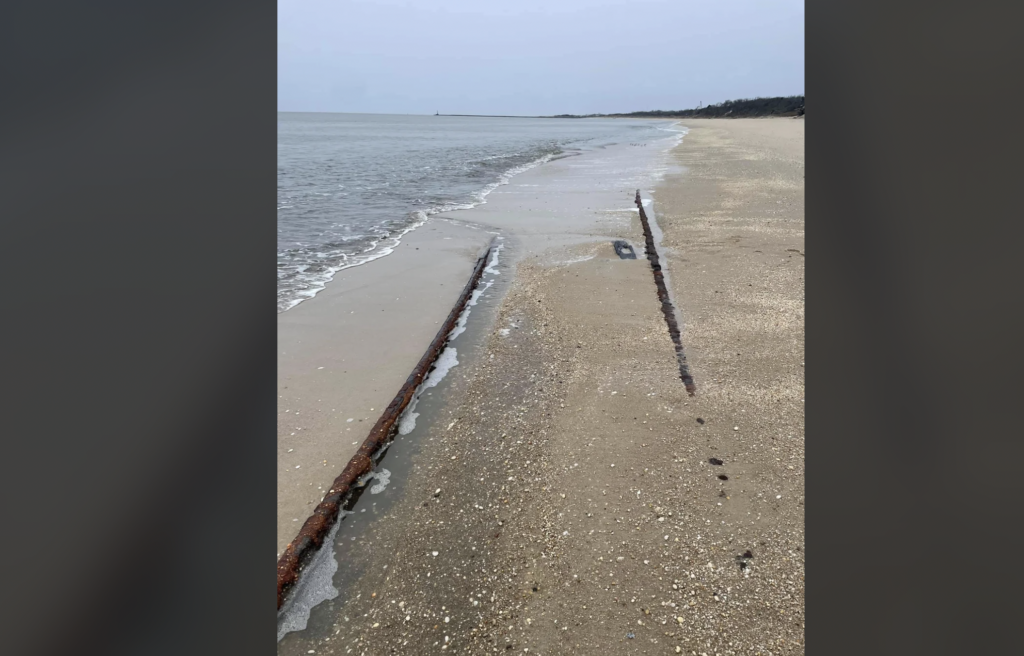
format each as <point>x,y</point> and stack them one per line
<point>575,260</point>
<point>315,585</point>
<point>460,325</point>
<point>511,173</point>
<point>320,282</point>
<point>443,364</point>
<point>383,478</point>
<point>672,128</point>
<point>494,260</point>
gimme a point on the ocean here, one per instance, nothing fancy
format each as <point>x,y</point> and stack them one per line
<point>349,186</point>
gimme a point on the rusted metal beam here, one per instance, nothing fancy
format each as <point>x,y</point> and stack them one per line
<point>666,303</point>
<point>319,524</point>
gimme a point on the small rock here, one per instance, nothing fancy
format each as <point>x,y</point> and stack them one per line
<point>715,461</point>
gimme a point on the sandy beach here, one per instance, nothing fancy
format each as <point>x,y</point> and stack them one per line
<point>566,495</point>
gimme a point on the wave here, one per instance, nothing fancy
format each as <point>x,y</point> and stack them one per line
<point>313,282</point>
<point>319,280</point>
<point>505,177</point>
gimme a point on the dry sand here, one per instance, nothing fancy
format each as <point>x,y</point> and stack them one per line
<point>578,511</point>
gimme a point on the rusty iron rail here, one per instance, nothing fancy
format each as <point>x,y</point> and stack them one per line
<point>319,524</point>
<point>666,302</point>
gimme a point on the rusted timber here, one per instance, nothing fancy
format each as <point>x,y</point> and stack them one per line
<point>319,524</point>
<point>666,302</point>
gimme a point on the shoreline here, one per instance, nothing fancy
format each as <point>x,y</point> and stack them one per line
<point>381,252</point>
<point>572,496</point>
<point>326,390</point>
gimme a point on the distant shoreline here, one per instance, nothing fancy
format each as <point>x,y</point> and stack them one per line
<point>659,116</point>
<point>492,116</point>
<point>782,106</point>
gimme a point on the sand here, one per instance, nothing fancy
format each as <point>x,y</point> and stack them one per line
<point>567,501</point>
<point>345,353</point>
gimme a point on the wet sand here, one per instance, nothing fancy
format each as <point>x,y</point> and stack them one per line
<point>345,353</point>
<point>567,502</point>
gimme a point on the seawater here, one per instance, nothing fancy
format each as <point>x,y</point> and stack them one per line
<point>349,186</point>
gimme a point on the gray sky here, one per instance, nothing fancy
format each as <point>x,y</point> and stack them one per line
<point>534,56</point>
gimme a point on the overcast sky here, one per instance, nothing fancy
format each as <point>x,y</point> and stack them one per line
<point>534,56</point>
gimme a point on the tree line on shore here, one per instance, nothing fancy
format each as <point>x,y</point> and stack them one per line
<point>742,108</point>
